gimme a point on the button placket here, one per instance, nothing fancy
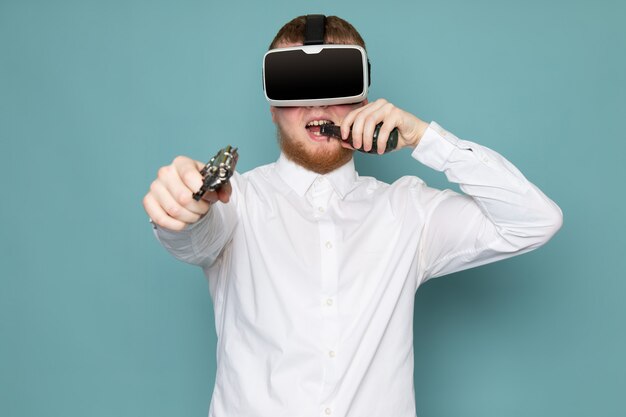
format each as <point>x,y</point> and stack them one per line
<point>329,282</point>
<point>319,195</point>
<point>329,269</point>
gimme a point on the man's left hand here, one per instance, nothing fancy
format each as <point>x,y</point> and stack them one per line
<point>363,121</point>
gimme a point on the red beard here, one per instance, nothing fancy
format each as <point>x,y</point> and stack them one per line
<point>322,160</point>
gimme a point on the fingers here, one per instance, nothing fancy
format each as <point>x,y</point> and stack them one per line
<point>159,216</point>
<point>183,178</point>
<point>174,207</point>
<point>363,121</point>
<point>169,202</point>
<point>390,122</point>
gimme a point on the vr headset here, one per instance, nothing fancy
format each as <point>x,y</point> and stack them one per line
<point>315,74</point>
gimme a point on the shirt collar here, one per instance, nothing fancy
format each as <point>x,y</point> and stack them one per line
<point>300,179</point>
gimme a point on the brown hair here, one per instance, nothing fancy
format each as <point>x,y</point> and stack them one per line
<point>338,31</point>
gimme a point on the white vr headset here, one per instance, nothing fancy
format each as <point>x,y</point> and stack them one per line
<point>315,74</point>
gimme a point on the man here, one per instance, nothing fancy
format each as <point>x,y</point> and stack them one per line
<point>313,269</point>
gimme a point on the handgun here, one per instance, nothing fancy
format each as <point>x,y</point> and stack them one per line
<point>218,171</point>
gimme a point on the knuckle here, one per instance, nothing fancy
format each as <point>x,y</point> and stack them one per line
<point>190,177</point>
<point>159,219</point>
<point>156,219</point>
<point>173,210</point>
<point>164,171</point>
<point>145,201</point>
<point>183,198</point>
<point>180,159</point>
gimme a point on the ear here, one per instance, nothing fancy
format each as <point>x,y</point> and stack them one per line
<point>273,111</point>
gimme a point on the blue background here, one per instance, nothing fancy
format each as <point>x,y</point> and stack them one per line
<point>97,320</point>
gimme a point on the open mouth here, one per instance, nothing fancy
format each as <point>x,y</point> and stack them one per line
<point>314,126</point>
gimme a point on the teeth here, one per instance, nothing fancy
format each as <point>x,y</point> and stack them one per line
<point>318,123</point>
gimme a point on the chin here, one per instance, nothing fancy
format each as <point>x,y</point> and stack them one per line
<point>320,157</point>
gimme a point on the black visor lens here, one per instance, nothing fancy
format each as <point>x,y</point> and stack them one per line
<point>331,73</point>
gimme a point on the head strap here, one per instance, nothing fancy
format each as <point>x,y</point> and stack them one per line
<point>314,29</point>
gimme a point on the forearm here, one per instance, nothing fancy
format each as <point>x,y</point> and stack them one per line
<point>502,213</point>
<point>202,242</point>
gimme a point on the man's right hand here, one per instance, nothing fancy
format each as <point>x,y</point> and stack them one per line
<point>170,203</point>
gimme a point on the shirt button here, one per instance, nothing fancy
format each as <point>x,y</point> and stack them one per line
<point>328,411</point>
<point>329,302</point>
<point>320,209</point>
<point>332,354</point>
<point>328,244</point>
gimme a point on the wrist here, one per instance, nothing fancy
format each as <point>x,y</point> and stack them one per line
<point>420,131</point>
